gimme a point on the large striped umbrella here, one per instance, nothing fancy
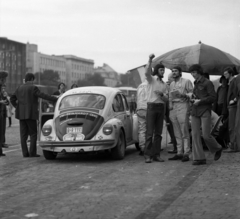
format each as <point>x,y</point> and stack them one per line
<point>212,60</point>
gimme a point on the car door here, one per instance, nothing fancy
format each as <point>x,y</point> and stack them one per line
<point>46,112</point>
<point>128,118</point>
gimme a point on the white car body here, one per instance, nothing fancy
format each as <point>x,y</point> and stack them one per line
<point>80,124</point>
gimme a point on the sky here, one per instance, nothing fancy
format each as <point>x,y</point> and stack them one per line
<point>121,33</point>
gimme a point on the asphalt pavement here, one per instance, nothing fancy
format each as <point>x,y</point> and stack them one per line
<point>95,186</point>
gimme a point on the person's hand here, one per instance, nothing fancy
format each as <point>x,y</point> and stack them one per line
<point>151,57</point>
<point>196,102</point>
<point>3,102</point>
<point>231,102</point>
<point>159,93</point>
<point>178,95</point>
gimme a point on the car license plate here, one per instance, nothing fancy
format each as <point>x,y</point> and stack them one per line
<point>74,129</point>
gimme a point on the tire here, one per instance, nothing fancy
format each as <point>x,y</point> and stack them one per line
<point>118,152</point>
<point>137,146</point>
<point>49,155</point>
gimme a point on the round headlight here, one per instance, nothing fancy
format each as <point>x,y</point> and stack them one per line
<point>108,129</point>
<point>46,130</point>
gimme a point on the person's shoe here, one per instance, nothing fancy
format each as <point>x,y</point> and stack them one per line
<point>158,159</point>
<point>229,150</point>
<point>25,155</point>
<point>141,153</point>
<point>176,157</point>
<point>199,162</point>
<point>174,151</point>
<point>2,155</point>
<point>148,159</point>
<point>36,155</point>
<point>5,146</point>
<point>218,154</point>
<point>185,158</point>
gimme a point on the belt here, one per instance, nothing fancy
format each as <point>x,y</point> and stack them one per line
<point>155,104</point>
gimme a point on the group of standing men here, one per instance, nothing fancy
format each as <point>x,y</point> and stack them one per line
<point>186,103</point>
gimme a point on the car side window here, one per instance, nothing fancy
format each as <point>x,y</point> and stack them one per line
<point>125,102</point>
<point>118,104</point>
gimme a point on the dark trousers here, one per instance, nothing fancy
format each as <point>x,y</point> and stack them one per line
<point>9,121</point>
<point>1,130</point>
<point>219,109</point>
<point>154,126</point>
<point>28,127</point>
<point>4,129</point>
<point>170,128</point>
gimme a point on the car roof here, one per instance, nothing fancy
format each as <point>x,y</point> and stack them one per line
<point>106,91</point>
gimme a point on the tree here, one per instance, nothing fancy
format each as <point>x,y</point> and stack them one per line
<point>127,80</point>
<point>48,78</point>
<point>92,80</point>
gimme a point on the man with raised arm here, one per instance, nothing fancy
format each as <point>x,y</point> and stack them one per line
<point>157,96</point>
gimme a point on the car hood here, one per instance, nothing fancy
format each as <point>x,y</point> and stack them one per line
<point>78,123</point>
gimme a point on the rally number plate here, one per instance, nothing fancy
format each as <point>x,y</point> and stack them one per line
<point>74,129</point>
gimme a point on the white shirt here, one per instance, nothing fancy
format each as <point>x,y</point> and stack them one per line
<point>142,96</point>
<point>156,85</point>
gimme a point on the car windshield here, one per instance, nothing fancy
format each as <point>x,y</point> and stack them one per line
<point>83,100</point>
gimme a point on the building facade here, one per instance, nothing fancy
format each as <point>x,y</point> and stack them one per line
<point>77,68</point>
<point>70,68</point>
<point>39,62</point>
<point>13,60</point>
<point>111,77</point>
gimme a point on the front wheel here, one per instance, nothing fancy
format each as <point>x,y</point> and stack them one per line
<point>49,155</point>
<point>118,152</point>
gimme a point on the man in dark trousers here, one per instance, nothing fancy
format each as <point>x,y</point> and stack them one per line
<point>25,100</point>
<point>3,76</point>
<point>205,96</point>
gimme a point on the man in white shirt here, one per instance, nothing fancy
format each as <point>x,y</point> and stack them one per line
<point>142,113</point>
<point>157,96</point>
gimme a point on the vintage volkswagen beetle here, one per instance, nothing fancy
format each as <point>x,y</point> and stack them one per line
<point>88,119</point>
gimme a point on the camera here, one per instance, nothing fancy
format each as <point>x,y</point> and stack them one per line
<point>193,98</point>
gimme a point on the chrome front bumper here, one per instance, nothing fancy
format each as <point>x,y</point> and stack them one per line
<point>80,146</point>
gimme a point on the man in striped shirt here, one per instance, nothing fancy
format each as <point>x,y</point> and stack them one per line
<point>181,90</point>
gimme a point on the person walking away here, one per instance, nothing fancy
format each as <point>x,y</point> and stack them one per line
<point>181,90</point>
<point>205,95</point>
<point>232,109</point>
<point>3,77</point>
<point>220,105</point>
<point>3,90</point>
<point>25,100</point>
<point>141,112</point>
<point>157,96</point>
<point>133,104</point>
<point>168,120</point>
<point>9,108</point>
